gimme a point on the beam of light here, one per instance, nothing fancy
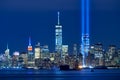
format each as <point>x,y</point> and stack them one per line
<point>85,30</point>
<point>83,25</point>
<point>83,15</point>
<point>87,17</point>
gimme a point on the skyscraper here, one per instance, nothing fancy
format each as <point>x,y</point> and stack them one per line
<point>85,30</point>
<point>58,37</point>
<point>30,53</point>
<point>37,55</point>
<point>37,51</point>
<point>45,52</point>
<point>7,51</point>
<point>75,50</point>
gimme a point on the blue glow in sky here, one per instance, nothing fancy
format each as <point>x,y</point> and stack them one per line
<point>20,19</point>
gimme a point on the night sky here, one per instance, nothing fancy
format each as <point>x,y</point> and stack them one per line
<point>20,19</point>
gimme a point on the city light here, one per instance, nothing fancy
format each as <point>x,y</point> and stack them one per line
<point>39,57</point>
<point>16,53</point>
<point>80,66</point>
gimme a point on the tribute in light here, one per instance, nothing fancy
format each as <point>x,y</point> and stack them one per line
<point>85,30</point>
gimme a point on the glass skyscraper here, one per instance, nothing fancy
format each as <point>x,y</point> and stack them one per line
<point>58,37</point>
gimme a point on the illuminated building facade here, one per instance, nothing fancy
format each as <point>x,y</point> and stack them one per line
<point>75,50</point>
<point>37,54</point>
<point>58,37</point>
<point>45,52</point>
<point>30,53</point>
<point>85,30</point>
<point>30,62</point>
<point>24,57</point>
<point>111,51</point>
<point>15,59</point>
<point>64,50</point>
<point>112,55</point>
<point>7,52</point>
<point>98,54</point>
<point>37,51</point>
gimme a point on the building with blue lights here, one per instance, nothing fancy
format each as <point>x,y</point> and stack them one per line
<point>30,53</point>
<point>85,30</point>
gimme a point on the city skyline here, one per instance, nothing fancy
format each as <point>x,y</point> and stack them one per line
<point>17,24</point>
<point>60,39</point>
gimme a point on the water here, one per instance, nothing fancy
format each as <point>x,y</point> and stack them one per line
<point>86,74</point>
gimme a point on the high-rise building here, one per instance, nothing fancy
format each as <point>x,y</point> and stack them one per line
<point>45,52</point>
<point>85,30</point>
<point>7,57</point>
<point>98,50</point>
<point>112,51</point>
<point>30,52</point>
<point>37,51</point>
<point>75,50</point>
<point>7,52</point>
<point>24,56</point>
<point>111,55</point>
<point>38,55</point>
<point>99,54</point>
<point>58,37</point>
<point>15,59</point>
<point>64,50</point>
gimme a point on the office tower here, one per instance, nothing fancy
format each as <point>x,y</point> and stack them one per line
<point>64,50</point>
<point>112,55</point>
<point>37,51</point>
<point>45,52</point>
<point>7,57</point>
<point>85,30</point>
<point>98,54</point>
<point>98,50</point>
<point>111,51</point>
<point>30,53</point>
<point>58,37</point>
<point>37,55</point>
<point>75,50</point>
<point>30,62</point>
<point>24,57</point>
<point>15,59</point>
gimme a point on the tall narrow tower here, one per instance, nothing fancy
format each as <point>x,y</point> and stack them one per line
<point>75,50</point>
<point>7,51</point>
<point>85,30</point>
<point>58,36</point>
<point>30,53</point>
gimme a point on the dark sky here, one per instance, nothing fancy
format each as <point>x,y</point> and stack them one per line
<point>20,19</point>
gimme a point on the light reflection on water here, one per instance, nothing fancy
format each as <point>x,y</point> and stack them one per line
<point>80,78</point>
<point>62,75</point>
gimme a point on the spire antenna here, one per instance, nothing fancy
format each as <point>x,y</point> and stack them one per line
<point>7,45</point>
<point>58,18</point>
<point>29,41</point>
